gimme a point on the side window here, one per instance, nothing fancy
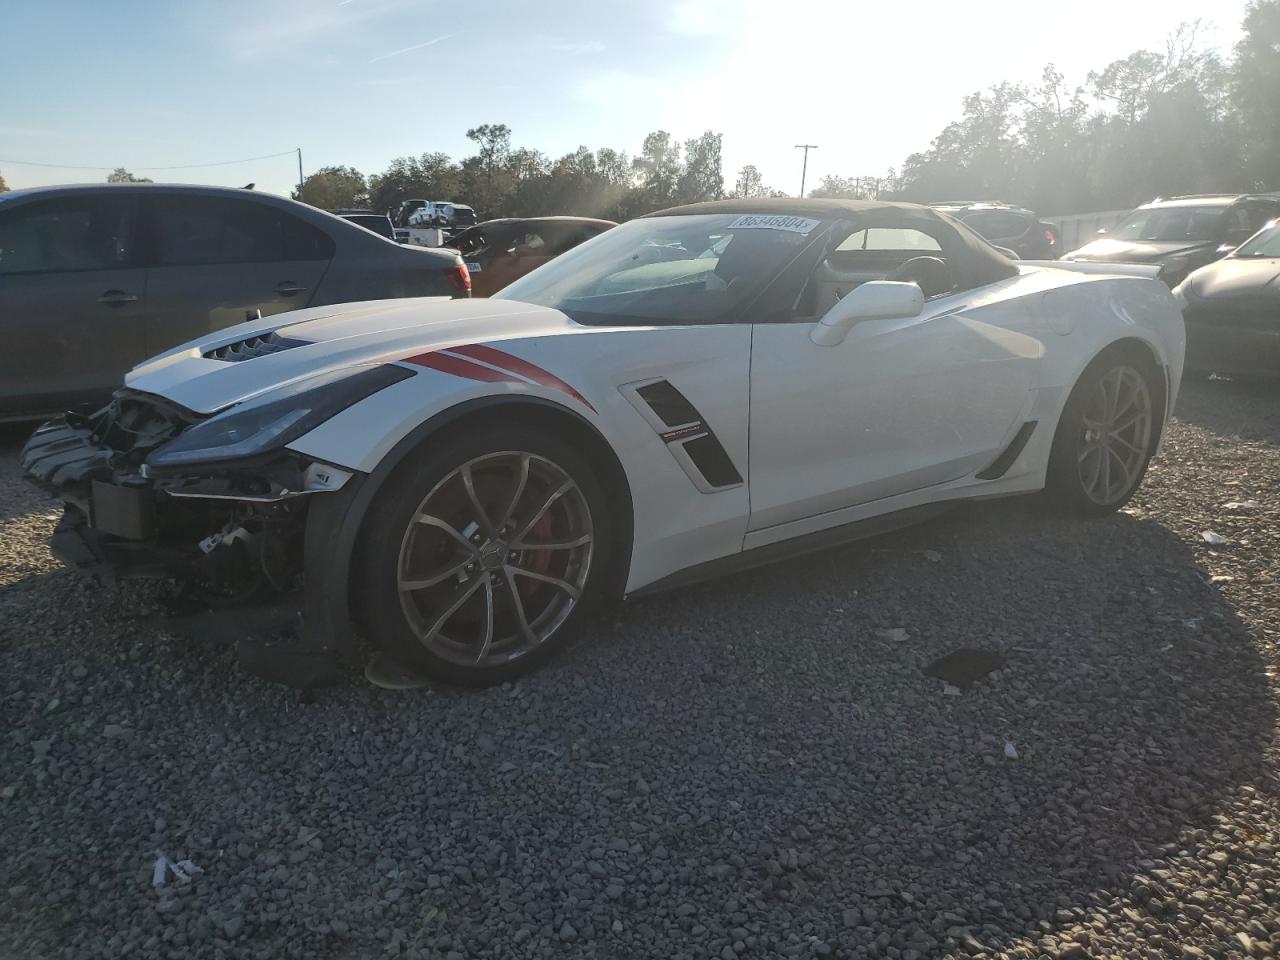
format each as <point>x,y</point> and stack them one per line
<point>889,238</point>
<point>67,234</point>
<point>189,230</point>
<point>302,241</point>
<point>872,253</point>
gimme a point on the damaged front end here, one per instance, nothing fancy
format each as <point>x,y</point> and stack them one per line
<point>218,503</point>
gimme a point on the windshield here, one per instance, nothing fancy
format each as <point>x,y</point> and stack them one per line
<point>696,269</point>
<point>1264,243</point>
<point>1170,224</point>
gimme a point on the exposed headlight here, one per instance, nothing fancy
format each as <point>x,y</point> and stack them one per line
<point>276,418</point>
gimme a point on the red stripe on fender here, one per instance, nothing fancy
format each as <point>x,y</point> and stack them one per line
<point>480,351</point>
<point>461,368</point>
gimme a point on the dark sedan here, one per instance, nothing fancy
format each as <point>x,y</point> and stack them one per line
<point>1182,234</point>
<point>96,278</point>
<point>1232,310</point>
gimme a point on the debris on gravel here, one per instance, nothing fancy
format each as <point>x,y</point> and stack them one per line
<point>743,769</point>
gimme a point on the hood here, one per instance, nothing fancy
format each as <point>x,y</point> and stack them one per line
<point>1235,278</point>
<point>269,353</point>
<point>1137,251</point>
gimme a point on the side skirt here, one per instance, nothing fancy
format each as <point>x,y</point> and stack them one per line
<point>797,546</point>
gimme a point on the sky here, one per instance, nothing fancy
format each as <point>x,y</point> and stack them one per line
<point>142,83</point>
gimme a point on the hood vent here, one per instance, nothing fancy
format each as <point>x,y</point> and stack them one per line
<point>256,346</point>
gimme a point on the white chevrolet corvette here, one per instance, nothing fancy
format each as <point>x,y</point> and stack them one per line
<point>699,390</point>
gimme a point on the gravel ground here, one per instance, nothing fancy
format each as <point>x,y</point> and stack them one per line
<point>757,767</point>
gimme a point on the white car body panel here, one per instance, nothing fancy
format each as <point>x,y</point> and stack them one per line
<point>899,405</point>
<point>902,413</point>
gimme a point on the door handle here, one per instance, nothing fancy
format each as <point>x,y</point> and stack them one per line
<point>288,288</point>
<point>116,298</point>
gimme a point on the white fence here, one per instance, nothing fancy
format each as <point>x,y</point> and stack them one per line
<point>1079,228</point>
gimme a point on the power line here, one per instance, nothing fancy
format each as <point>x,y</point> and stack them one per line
<point>185,166</point>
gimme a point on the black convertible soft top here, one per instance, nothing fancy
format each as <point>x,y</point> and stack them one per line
<point>969,256</point>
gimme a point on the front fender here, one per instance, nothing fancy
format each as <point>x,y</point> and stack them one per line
<point>334,521</point>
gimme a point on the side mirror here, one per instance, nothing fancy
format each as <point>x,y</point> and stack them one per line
<point>874,300</point>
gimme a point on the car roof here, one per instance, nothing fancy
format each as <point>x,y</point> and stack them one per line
<point>982,206</point>
<point>824,208</point>
<point>975,254</point>
<point>68,189</point>
<point>1195,200</point>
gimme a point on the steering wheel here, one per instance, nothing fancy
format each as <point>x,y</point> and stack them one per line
<point>931,274</point>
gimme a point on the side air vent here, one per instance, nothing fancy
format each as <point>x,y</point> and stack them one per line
<point>712,461</point>
<point>251,347</point>
<point>689,438</point>
<point>1001,464</point>
<point>671,406</point>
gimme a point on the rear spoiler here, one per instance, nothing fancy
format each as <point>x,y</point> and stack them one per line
<point>1149,270</point>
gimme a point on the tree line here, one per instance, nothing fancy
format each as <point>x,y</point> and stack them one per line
<point>1177,119</point>
<point>500,180</point>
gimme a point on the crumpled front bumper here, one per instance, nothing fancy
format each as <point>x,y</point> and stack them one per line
<point>119,524</point>
<point>107,527</point>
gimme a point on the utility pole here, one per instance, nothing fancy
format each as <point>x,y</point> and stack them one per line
<point>299,149</point>
<point>806,147</point>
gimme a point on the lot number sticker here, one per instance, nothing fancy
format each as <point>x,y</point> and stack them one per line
<point>757,221</point>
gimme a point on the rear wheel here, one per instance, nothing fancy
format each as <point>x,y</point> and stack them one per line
<point>484,556</point>
<point>1107,434</point>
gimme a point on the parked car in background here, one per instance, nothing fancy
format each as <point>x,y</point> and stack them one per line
<point>500,251</point>
<point>95,278</point>
<point>401,215</point>
<point>448,216</point>
<point>1182,234</point>
<point>453,217</point>
<point>1232,310</point>
<point>379,223</point>
<point>1007,226</point>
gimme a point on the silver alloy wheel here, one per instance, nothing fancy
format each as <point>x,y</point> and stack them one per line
<point>495,558</point>
<point>1115,434</point>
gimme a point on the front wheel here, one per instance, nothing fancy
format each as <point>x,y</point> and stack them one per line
<point>484,555</point>
<point>1107,434</point>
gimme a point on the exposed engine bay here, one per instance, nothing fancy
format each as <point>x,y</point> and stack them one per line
<point>232,532</point>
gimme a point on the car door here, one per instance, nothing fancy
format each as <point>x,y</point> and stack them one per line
<point>898,406</point>
<point>72,300</point>
<point>214,261</point>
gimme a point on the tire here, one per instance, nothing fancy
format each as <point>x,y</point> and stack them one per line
<point>1095,467</point>
<point>458,547</point>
